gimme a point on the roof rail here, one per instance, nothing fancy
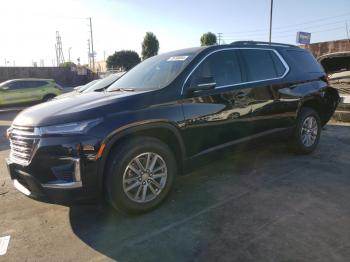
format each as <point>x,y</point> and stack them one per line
<point>261,43</point>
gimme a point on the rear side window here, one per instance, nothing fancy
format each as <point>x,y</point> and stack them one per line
<point>39,83</point>
<point>223,66</point>
<point>305,61</point>
<point>262,64</point>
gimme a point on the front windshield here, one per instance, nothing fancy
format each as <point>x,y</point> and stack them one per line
<point>103,83</point>
<point>4,83</point>
<point>154,73</point>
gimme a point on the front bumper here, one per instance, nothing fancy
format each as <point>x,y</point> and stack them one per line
<point>62,170</point>
<point>54,192</point>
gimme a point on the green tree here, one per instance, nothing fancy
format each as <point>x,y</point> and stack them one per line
<point>208,39</point>
<point>124,60</point>
<point>68,64</point>
<point>150,46</point>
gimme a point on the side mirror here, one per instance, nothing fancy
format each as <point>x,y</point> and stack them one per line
<point>202,83</point>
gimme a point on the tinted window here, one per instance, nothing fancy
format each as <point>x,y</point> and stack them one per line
<point>26,84</point>
<point>259,64</point>
<point>306,61</point>
<point>17,85</point>
<point>223,66</point>
<point>279,67</point>
<point>38,83</point>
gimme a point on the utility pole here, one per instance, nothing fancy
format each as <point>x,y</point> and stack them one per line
<point>92,46</point>
<point>219,37</point>
<point>271,8</point>
<point>347,31</point>
<point>69,53</point>
<point>89,53</point>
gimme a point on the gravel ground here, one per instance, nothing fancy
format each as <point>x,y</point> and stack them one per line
<point>265,204</point>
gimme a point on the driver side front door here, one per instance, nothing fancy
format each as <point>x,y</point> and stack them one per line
<point>220,116</point>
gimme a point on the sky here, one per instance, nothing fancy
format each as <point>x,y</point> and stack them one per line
<point>28,27</point>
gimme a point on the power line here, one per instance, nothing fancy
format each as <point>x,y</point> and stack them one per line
<point>287,35</point>
<point>280,34</point>
<point>291,30</point>
<point>292,25</point>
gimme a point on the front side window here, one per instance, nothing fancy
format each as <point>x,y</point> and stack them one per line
<point>17,85</point>
<point>223,66</point>
<point>262,64</point>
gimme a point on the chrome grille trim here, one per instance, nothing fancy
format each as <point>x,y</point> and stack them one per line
<point>23,141</point>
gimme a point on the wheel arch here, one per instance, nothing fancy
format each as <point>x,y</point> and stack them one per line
<point>324,104</point>
<point>165,132</point>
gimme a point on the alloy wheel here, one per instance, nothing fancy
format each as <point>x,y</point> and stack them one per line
<point>309,131</point>
<point>145,177</point>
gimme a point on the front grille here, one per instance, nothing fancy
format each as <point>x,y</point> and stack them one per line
<point>22,142</point>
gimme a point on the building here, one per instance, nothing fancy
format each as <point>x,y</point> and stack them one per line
<point>323,48</point>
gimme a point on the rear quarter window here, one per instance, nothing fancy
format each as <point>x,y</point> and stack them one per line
<point>262,64</point>
<point>305,61</point>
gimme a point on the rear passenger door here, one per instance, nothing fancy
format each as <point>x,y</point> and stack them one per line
<point>214,118</point>
<point>36,90</point>
<point>265,70</point>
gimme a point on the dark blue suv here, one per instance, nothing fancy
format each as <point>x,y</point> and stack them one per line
<point>128,143</point>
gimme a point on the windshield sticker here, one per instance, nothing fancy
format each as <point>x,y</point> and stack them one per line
<point>178,58</point>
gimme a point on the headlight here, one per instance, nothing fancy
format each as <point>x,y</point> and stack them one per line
<point>70,128</point>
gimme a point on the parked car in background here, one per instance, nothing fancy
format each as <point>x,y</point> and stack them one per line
<point>99,85</point>
<point>28,91</point>
<point>77,90</point>
<point>337,66</point>
<point>83,87</point>
<point>104,83</point>
<point>127,144</point>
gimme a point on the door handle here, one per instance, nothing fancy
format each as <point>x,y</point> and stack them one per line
<point>240,95</point>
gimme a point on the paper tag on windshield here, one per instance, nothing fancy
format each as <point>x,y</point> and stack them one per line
<point>178,58</point>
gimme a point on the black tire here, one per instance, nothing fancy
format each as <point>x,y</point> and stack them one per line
<point>117,164</point>
<point>297,143</point>
<point>48,97</point>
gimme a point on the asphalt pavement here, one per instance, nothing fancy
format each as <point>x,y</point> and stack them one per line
<point>258,204</point>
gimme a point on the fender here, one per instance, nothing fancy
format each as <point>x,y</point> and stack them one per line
<point>122,132</point>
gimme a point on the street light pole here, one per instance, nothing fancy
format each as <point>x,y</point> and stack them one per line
<point>271,8</point>
<point>69,53</point>
<point>92,46</point>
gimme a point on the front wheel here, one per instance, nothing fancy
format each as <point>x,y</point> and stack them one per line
<point>140,175</point>
<point>307,132</point>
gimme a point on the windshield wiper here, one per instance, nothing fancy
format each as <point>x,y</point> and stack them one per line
<point>122,90</point>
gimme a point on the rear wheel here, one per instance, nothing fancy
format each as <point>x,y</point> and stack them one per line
<point>307,132</point>
<point>140,175</point>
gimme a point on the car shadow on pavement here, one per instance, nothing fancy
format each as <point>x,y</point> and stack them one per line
<point>174,231</point>
<point>259,205</point>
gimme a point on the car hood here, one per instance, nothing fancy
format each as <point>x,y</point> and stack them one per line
<point>72,93</point>
<point>335,62</point>
<point>76,108</point>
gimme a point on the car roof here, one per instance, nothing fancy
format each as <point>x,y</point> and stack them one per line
<point>31,79</point>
